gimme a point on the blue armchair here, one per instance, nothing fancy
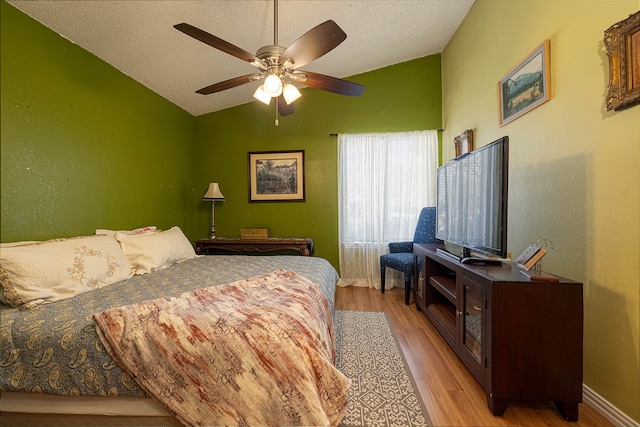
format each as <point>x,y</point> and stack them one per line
<point>401,256</point>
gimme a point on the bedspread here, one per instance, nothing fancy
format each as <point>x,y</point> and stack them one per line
<point>259,351</point>
<point>54,349</point>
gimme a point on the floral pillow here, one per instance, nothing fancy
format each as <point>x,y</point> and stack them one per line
<point>39,272</point>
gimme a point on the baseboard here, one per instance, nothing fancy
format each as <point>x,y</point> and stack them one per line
<point>606,409</point>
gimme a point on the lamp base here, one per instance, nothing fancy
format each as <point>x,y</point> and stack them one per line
<point>213,220</point>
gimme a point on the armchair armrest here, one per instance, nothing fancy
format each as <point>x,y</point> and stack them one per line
<point>396,247</point>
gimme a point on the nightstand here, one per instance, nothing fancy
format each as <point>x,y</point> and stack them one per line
<point>232,245</point>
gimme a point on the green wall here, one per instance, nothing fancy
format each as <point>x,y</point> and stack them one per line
<point>574,175</point>
<point>401,97</point>
<point>84,146</point>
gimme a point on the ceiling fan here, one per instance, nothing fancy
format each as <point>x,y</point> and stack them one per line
<point>278,66</point>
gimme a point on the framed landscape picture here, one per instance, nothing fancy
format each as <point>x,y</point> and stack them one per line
<point>276,176</point>
<point>526,86</point>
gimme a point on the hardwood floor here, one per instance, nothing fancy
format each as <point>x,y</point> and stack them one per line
<point>450,393</point>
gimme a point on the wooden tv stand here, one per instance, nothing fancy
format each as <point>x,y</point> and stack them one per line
<point>520,339</point>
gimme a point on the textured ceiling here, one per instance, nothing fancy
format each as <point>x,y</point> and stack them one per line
<point>138,38</point>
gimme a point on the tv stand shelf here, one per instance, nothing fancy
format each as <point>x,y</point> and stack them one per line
<point>445,315</point>
<point>446,285</point>
<point>520,339</point>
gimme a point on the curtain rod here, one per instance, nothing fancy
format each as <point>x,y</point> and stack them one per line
<point>335,134</point>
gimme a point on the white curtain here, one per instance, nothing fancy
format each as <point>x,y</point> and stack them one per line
<point>385,179</point>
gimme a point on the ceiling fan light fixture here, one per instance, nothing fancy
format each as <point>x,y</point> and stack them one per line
<point>278,66</point>
<point>273,85</point>
<point>262,96</point>
<point>290,93</point>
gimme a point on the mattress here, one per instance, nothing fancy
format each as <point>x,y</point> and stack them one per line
<point>38,403</point>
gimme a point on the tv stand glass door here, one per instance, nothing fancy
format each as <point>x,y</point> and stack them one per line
<point>473,326</point>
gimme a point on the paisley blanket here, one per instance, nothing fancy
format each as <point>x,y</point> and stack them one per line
<point>259,351</point>
<point>54,349</point>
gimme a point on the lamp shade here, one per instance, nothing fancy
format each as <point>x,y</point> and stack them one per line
<point>272,85</point>
<point>291,93</point>
<point>262,96</point>
<point>213,192</point>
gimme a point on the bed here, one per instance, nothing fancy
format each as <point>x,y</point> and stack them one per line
<point>55,359</point>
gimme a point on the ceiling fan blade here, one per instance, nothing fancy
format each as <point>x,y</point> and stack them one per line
<point>228,84</point>
<point>314,43</point>
<point>216,42</point>
<point>283,108</point>
<point>332,84</point>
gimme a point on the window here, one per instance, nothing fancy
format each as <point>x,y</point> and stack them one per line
<point>385,179</point>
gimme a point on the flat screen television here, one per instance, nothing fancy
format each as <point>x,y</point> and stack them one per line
<point>471,208</point>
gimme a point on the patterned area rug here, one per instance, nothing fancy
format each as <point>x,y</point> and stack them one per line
<point>383,392</point>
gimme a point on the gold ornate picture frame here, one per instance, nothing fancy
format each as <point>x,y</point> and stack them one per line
<point>463,142</point>
<point>622,40</point>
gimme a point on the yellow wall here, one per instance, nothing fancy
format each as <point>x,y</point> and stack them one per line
<point>574,166</point>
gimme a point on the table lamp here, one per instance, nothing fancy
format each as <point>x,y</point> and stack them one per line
<point>213,193</point>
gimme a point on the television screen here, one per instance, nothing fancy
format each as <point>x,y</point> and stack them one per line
<point>472,200</point>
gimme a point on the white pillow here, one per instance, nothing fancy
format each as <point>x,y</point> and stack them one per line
<point>147,252</point>
<point>35,273</point>
<point>112,233</point>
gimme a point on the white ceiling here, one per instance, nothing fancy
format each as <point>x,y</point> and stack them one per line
<point>138,38</point>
